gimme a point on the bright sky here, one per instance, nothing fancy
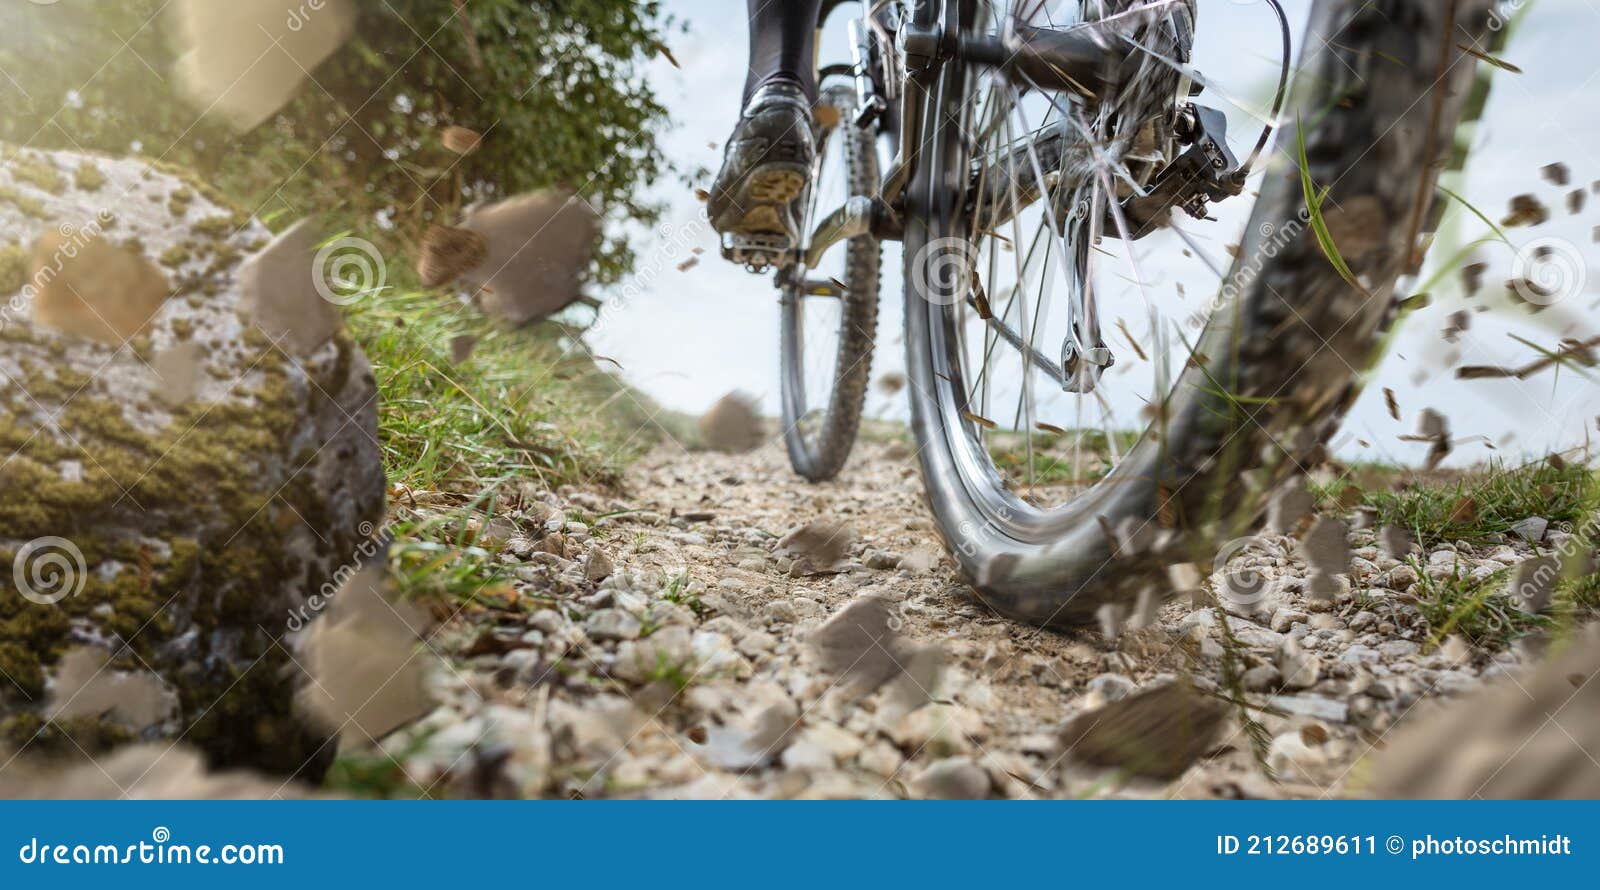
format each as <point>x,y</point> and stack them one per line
<point>686,338</point>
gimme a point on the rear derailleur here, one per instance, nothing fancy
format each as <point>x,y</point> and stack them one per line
<point>1205,171</point>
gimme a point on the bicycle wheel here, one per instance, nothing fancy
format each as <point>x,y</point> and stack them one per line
<point>1058,521</point>
<point>830,314</point>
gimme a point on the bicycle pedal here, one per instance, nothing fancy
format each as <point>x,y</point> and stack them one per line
<point>758,253</point>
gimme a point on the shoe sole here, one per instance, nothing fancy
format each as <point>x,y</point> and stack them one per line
<point>761,204</point>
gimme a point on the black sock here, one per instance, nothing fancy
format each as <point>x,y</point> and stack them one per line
<point>783,36</point>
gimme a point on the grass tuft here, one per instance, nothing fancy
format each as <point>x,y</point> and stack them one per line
<point>1436,510</point>
<point>1479,610</point>
<point>526,404</point>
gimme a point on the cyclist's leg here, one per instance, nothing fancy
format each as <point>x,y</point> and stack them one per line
<point>767,162</point>
<point>782,43</point>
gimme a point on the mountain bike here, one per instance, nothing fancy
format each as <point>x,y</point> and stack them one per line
<point>1036,160</point>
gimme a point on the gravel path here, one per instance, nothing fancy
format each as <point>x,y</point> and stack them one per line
<point>691,646</point>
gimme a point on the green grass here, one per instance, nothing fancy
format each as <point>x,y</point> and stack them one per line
<point>1434,510</point>
<point>1479,610</point>
<point>526,405</point>
<point>376,774</point>
<point>1053,456</point>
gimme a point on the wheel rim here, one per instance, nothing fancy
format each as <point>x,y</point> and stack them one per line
<point>1001,447</point>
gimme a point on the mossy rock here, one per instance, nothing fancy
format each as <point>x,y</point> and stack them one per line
<point>195,482</point>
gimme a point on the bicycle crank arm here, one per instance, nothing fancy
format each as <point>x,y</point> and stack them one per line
<point>860,215</point>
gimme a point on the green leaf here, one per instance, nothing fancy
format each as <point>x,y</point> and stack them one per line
<point>1319,227</point>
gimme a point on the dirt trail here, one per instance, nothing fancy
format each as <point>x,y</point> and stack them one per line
<point>685,655</point>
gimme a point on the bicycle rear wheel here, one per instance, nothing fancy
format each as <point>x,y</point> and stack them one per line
<point>1233,410</point>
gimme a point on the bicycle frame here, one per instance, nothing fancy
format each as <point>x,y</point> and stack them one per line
<point>927,35</point>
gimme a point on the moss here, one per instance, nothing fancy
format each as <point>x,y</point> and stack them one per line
<point>226,552</point>
<point>29,205</point>
<point>88,177</point>
<point>13,269</point>
<point>70,738</point>
<point>176,255</point>
<point>220,227</point>
<point>37,172</point>
<point>178,202</point>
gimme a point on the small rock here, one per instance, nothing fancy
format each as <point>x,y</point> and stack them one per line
<point>1300,669</point>
<point>1285,618</point>
<point>1262,678</point>
<point>1359,654</point>
<point>1398,649</point>
<point>598,566</point>
<point>1531,529</point>
<point>1402,577</point>
<point>780,612</point>
<point>1318,706</point>
<point>612,624</point>
<point>1291,756</point>
<point>1110,687</point>
<point>1254,635</point>
<point>953,778</point>
<point>881,560</point>
<point>816,547</point>
<point>807,756</point>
